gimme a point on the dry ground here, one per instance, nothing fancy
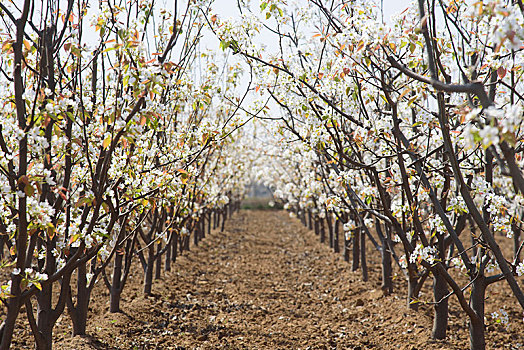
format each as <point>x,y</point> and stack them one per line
<point>267,283</point>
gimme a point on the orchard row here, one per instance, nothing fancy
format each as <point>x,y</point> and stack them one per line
<point>405,132</point>
<point>117,143</point>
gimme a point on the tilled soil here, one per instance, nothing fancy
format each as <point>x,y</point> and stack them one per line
<point>267,283</point>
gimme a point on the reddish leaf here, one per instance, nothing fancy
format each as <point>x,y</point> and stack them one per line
<point>501,72</point>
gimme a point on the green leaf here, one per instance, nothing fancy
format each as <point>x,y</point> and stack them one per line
<point>82,201</point>
<point>234,45</point>
<point>29,190</point>
<point>268,14</point>
<point>76,51</point>
<point>110,48</point>
<point>51,231</point>
<point>263,6</point>
<point>224,44</point>
<point>121,34</point>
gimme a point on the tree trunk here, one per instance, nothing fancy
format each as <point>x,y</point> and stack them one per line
<point>196,234</point>
<point>167,259</point>
<point>186,243</point>
<point>356,250</point>
<point>82,302</point>
<point>336,229</point>
<point>181,244</point>
<point>329,222</point>
<point>440,317</point>
<point>346,248</point>
<point>387,281</point>
<point>224,217</point>
<point>209,224</point>
<point>477,336</point>
<point>114,300</point>
<point>148,276</point>
<point>44,315</point>
<point>158,262</point>
<point>363,262</point>
<point>8,326</point>
<point>412,287</point>
<point>322,230</point>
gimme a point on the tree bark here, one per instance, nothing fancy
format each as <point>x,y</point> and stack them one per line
<point>196,234</point>
<point>440,316</point>
<point>355,264</point>
<point>336,229</point>
<point>148,275</point>
<point>82,302</point>
<point>412,288</point>
<point>316,225</point>
<point>167,259</point>
<point>114,299</point>
<point>224,217</point>
<point>158,262</point>
<point>363,262</point>
<point>322,230</point>
<point>209,223</point>
<point>44,315</point>
<point>13,308</point>
<point>346,248</point>
<point>477,334</point>
<point>329,223</point>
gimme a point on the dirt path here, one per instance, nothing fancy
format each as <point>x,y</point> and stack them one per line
<point>265,283</point>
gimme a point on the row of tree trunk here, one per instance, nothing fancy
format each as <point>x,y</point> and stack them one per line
<point>147,242</point>
<point>354,251</point>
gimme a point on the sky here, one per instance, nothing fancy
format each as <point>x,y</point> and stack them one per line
<point>228,8</point>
